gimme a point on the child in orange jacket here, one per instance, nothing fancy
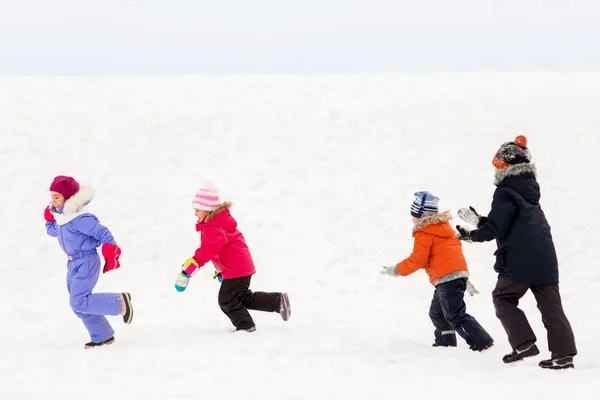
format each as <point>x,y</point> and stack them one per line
<point>439,252</point>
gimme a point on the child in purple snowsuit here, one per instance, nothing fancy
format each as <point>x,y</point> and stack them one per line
<point>79,233</point>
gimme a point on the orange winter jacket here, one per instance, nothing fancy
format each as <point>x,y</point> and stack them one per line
<point>436,249</point>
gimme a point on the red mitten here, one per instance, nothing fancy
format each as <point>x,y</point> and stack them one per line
<point>48,215</point>
<point>111,253</point>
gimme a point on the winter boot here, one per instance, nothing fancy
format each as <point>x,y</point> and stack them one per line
<point>483,348</point>
<point>127,308</point>
<point>108,341</point>
<point>284,306</point>
<point>445,338</point>
<point>558,363</point>
<point>528,350</point>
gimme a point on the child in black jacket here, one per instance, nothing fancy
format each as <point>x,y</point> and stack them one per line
<point>525,259</point>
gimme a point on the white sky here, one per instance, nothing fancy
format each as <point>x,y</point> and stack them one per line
<point>308,36</point>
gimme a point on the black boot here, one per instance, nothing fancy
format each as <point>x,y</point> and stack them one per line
<point>284,306</point>
<point>484,348</point>
<point>521,353</point>
<point>445,338</point>
<point>558,363</point>
<point>89,345</point>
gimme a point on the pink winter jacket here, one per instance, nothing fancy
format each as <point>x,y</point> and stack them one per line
<point>224,245</point>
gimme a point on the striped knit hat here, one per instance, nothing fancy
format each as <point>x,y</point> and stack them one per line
<point>206,198</point>
<point>424,202</point>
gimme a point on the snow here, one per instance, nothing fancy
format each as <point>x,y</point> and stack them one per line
<point>322,171</point>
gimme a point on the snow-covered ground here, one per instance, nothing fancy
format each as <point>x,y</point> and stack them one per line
<point>322,171</point>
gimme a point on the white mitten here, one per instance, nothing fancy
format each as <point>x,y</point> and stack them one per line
<point>471,288</point>
<point>470,216</point>
<point>390,271</point>
<point>182,281</point>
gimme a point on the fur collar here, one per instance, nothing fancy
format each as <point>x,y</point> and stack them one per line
<point>513,170</point>
<point>80,199</point>
<point>216,212</point>
<point>436,218</point>
<point>76,205</point>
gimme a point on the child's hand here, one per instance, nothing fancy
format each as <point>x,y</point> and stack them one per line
<point>470,216</point>
<point>471,288</point>
<point>111,253</point>
<point>390,271</point>
<point>182,281</point>
<point>218,275</point>
<point>463,234</point>
<point>48,215</point>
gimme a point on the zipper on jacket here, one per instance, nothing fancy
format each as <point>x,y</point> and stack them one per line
<point>60,239</point>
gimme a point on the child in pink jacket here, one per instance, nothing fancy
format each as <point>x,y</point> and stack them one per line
<point>224,245</point>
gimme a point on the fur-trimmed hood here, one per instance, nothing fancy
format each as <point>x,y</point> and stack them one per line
<point>513,170</point>
<point>225,206</point>
<point>522,179</point>
<point>75,206</point>
<point>220,217</point>
<point>437,218</point>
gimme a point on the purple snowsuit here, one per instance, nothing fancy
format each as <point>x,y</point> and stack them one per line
<point>79,233</point>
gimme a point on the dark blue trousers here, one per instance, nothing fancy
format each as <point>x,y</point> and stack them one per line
<point>448,314</point>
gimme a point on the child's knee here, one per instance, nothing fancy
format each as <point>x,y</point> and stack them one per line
<point>77,303</point>
<point>228,305</point>
<point>224,307</point>
<point>501,302</point>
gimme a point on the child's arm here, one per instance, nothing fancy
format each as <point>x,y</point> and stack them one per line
<point>419,257</point>
<point>213,241</point>
<point>499,218</point>
<point>51,229</point>
<point>89,225</point>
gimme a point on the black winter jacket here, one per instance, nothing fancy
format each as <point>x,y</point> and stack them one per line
<point>525,247</point>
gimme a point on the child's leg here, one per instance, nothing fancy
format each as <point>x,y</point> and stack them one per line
<point>445,335</point>
<point>506,297</point>
<point>261,301</point>
<point>451,296</point>
<point>231,296</point>
<point>84,278</point>
<point>561,341</point>
<point>98,327</point>
<point>91,308</point>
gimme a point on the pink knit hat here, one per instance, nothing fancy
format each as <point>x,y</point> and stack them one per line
<point>206,198</point>
<point>64,185</point>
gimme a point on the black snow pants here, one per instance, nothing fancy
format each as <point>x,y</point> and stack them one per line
<point>506,295</point>
<point>236,298</point>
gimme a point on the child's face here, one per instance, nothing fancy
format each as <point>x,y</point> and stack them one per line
<point>415,220</point>
<point>58,201</point>
<point>200,214</point>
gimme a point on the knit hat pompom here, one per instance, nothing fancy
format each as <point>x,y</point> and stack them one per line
<point>209,185</point>
<point>207,197</point>
<point>511,153</point>
<point>521,141</point>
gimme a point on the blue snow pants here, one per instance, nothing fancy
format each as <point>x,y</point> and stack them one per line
<point>83,272</point>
